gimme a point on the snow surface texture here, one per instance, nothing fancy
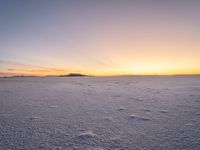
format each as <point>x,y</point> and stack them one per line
<point>100,113</point>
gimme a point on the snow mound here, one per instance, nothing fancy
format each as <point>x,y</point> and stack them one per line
<point>87,134</point>
<point>188,124</point>
<point>115,138</point>
<point>6,115</point>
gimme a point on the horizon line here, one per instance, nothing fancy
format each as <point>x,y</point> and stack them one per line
<point>87,75</point>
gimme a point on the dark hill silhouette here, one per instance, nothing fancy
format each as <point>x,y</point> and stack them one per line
<point>73,75</point>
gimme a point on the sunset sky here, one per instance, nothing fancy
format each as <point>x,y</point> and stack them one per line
<point>99,37</point>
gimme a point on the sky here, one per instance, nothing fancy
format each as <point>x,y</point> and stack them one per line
<point>99,37</point>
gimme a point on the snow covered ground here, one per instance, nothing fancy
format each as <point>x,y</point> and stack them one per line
<point>100,113</point>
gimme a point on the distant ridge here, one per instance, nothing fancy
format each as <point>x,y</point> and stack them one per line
<point>73,75</point>
<point>18,76</point>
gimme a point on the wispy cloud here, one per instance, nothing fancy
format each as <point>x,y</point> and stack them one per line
<point>8,68</point>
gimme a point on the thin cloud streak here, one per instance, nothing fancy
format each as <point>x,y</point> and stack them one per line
<point>8,68</point>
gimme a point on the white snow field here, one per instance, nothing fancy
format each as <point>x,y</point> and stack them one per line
<point>100,113</point>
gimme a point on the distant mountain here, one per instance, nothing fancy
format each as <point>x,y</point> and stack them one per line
<point>18,76</point>
<point>73,75</point>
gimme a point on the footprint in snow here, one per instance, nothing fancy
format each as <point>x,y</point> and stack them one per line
<point>163,111</point>
<point>28,105</point>
<point>116,96</point>
<point>108,118</point>
<point>147,110</point>
<point>33,117</point>
<point>137,99</point>
<point>53,106</point>
<point>121,108</point>
<point>133,116</point>
<point>95,148</point>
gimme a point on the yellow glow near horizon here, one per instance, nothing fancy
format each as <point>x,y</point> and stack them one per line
<point>129,70</point>
<point>151,62</point>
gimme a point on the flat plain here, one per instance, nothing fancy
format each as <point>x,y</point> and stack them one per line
<point>100,113</point>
